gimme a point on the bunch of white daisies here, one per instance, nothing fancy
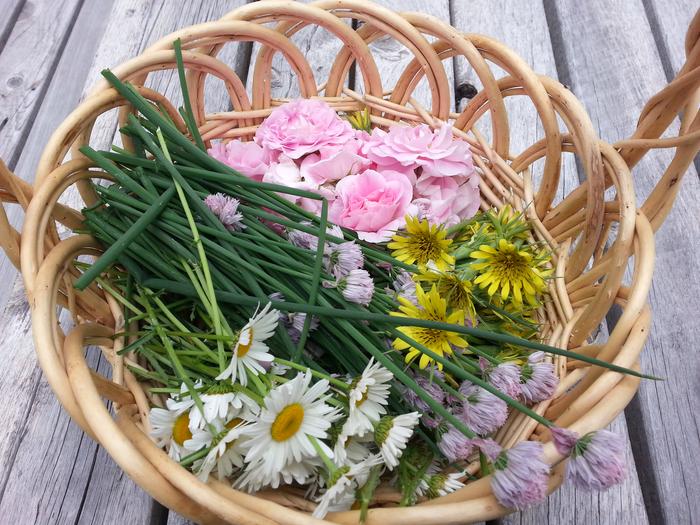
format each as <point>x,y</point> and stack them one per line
<point>324,432</point>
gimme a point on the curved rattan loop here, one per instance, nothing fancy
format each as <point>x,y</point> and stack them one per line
<point>604,234</point>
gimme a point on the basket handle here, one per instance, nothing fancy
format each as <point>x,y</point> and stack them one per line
<point>15,191</point>
<point>680,97</point>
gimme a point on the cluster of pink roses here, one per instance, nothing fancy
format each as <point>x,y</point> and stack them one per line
<point>372,181</point>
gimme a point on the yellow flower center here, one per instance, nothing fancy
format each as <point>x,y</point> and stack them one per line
<point>243,348</point>
<point>287,422</point>
<point>181,429</point>
<point>232,424</point>
<point>510,264</point>
<point>363,398</point>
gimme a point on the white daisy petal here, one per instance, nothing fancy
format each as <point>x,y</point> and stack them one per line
<point>250,350</point>
<point>367,399</point>
<point>292,413</point>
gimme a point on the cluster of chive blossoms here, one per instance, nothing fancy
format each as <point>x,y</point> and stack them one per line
<point>371,180</point>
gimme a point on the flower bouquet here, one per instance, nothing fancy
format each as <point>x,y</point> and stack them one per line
<point>325,307</point>
<point>344,305</point>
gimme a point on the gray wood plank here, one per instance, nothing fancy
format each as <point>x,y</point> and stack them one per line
<point>28,62</point>
<point>318,46</point>
<point>669,21</point>
<point>613,66</point>
<point>527,33</point>
<point>85,486</point>
<point>27,65</point>
<point>392,57</point>
<point>11,11</point>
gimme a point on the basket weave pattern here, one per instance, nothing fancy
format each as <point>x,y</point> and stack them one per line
<point>592,237</point>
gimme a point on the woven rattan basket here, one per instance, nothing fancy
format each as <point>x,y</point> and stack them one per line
<point>593,232</point>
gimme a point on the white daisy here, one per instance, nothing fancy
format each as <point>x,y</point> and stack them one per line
<point>340,492</point>
<point>171,425</point>
<point>291,414</point>
<point>256,475</point>
<point>349,449</point>
<point>392,434</point>
<point>226,450</point>
<point>436,483</point>
<point>183,401</point>
<point>222,402</point>
<point>250,349</point>
<point>367,399</point>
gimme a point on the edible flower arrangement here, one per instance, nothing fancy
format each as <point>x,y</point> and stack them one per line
<point>328,308</point>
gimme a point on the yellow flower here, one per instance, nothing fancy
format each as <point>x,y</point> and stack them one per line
<point>508,223</point>
<point>457,291</point>
<point>422,243</point>
<point>507,269</point>
<point>360,120</point>
<point>431,307</point>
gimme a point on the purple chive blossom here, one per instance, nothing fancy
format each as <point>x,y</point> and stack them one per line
<point>428,418</point>
<point>597,459</point>
<point>431,388</point>
<point>405,286</point>
<point>454,445</point>
<point>226,209</point>
<point>537,378</point>
<point>302,239</point>
<point>343,258</point>
<point>481,411</point>
<point>309,240</point>
<point>505,377</point>
<point>357,286</point>
<point>520,476</point>
<point>564,440</point>
<point>293,321</point>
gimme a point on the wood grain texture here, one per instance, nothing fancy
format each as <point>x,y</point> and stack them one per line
<point>60,98</point>
<point>527,33</point>
<point>84,484</point>
<point>669,20</point>
<point>318,46</point>
<point>27,65</point>
<point>392,57</point>
<point>614,84</point>
<point>11,11</point>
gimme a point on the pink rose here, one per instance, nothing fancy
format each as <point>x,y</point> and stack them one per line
<point>247,157</point>
<point>332,163</point>
<point>446,156</point>
<point>302,126</point>
<point>372,203</point>
<point>286,173</point>
<point>407,148</point>
<point>444,200</point>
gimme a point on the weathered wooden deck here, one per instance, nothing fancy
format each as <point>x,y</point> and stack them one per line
<point>613,55</point>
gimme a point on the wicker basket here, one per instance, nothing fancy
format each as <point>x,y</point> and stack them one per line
<point>592,237</point>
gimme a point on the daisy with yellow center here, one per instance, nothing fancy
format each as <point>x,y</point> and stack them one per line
<point>456,291</point>
<point>367,399</point>
<point>422,244</point>
<point>292,415</point>
<point>171,425</point>
<point>508,269</point>
<point>226,448</point>
<point>250,350</point>
<point>430,307</point>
